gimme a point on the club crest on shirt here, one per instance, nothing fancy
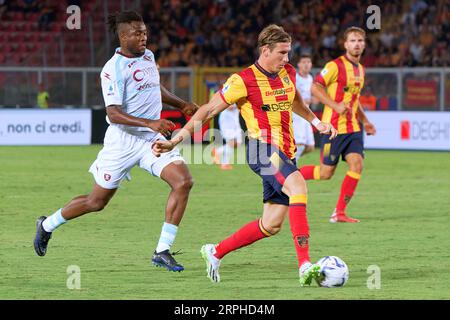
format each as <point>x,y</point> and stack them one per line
<point>286,80</point>
<point>107,177</point>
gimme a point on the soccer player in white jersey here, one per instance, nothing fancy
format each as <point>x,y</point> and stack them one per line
<point>133,98</point>
<point>303,132</point>
<point>231,132</point>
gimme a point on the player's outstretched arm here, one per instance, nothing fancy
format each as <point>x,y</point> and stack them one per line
<point>299,107</point>
<point>204,113</point>
<point>320,93</point>
<point>368,126</point>
<point>188,108</point>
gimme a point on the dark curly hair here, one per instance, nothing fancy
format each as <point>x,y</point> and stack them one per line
<point>122,17</point>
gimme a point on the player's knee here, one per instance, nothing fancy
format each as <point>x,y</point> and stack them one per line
<point>326,175</point>
<point>185,184</point>
<point>357,167</point>
<point>273,229</point>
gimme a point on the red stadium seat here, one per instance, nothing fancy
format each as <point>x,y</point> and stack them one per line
<point>33,17</point>
<point>6,26</point>
<point>19,16</point>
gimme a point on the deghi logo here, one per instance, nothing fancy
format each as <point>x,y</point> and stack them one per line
<point>424,130</point>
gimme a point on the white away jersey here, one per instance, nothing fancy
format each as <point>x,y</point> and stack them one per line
<point>133,84</point>
<point>304,85</point>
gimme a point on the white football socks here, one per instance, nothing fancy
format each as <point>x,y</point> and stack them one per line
<point>168,233</point>
<point>54,221</point>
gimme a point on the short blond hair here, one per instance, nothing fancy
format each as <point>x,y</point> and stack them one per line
<point>271,35</point>
<point>354,29</point>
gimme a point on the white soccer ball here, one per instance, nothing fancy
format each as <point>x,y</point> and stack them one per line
<point>334,272</point>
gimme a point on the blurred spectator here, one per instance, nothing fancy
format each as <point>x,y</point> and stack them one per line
<point>47,15</point>
<point>367,100</point>
<point>3,8</point>
<point>43,97</point>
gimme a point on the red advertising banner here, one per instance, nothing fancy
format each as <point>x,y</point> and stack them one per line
<point>421,93</point>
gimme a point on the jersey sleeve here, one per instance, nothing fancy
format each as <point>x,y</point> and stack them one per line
<point>112,86</point>
<point>233,89</point>
<point>328,74</point>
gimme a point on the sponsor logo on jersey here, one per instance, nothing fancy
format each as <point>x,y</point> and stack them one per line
<point>278,92</point>
<point>139,74</point>
<point>280,106</point>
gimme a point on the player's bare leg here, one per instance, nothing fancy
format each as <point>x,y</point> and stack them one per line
<point>295,187</point>
<point>93,202</point>
<point>355,164</point>
<point>269,225</point>
<point>177,175</point>
<point>78,206</point>
<point>326,171</point>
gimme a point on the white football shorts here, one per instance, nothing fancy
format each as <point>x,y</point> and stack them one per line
<point>303,132</point>
<point>122,151</point>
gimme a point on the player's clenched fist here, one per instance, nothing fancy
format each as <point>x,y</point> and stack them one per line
<point>163,126</point>
<point>161,146</point>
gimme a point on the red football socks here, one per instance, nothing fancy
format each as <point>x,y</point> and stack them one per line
<point>347,189</point>
<point>299,226</point>
<point>310,172</point>
<point>248,234</point>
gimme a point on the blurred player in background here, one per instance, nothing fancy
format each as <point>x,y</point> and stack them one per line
<point>303,132</point>
<point>266,96</point>
<point>338,87</point>
<point>231,132</point>
<point>133,98</point>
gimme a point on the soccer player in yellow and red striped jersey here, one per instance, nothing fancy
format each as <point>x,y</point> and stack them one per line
<point>266,95</point>
<point>338,87</point>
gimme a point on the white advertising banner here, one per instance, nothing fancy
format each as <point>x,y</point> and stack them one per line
<point>45,126</point>
<point>409,130</point>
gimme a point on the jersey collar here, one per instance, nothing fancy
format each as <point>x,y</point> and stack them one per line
<point>265,72</point>
<point>345,57</point>
<point>127,56</point>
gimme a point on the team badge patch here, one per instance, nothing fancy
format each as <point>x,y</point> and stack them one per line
<point>107,177</point>
<point>302,241</point>
<point>286,80</point>
<point>324,71</point>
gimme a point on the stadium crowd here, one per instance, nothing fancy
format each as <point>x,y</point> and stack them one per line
<point>223,32</point>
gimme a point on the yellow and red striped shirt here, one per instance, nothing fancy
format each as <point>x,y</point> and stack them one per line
<point>344,81</point>
<point>265,102</point>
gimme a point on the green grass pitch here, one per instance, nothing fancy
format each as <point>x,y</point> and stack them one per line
<point>403,201</point>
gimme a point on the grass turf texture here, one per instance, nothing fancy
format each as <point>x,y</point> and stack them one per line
<point>403,201</point>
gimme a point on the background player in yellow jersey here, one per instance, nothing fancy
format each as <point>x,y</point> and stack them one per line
<point>265,94</point>
<point>338,87</point>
